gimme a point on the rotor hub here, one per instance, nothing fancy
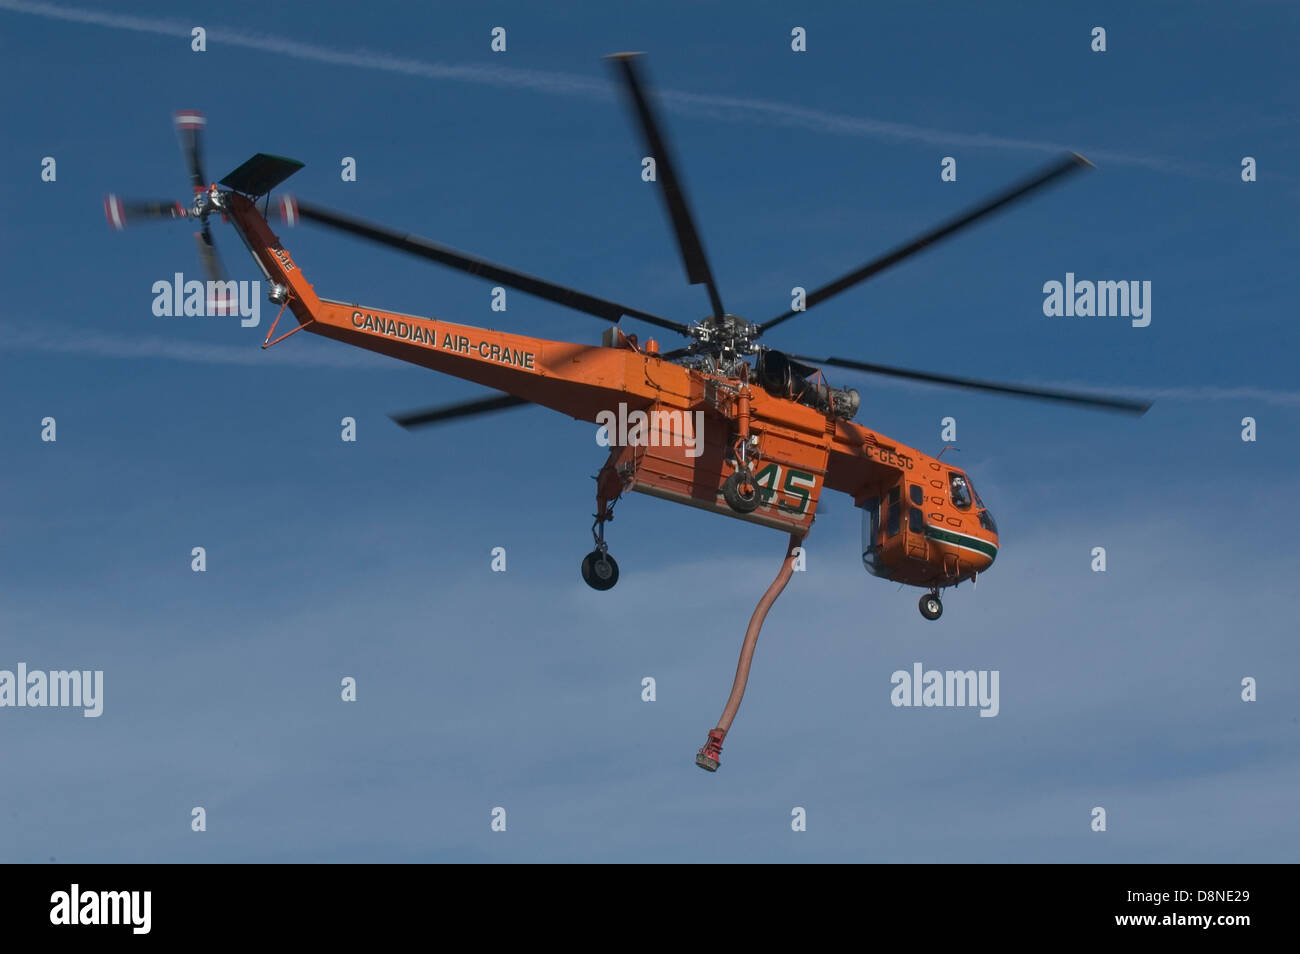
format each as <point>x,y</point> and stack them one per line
<point>205,201</point>
<point>727,339</point>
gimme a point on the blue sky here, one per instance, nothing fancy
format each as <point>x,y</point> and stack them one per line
<point>522,690</point>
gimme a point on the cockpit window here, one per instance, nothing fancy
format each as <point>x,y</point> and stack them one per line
<point>986,518</point>
<point>960,491</point>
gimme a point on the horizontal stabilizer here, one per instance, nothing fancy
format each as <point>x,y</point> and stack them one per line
<point>261,174</point>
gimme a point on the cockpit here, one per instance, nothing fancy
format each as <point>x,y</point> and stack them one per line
<point>959,489</point>
<point>894,524</point>
<point>963,495</point>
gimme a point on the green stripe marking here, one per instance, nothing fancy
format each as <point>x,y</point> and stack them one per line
<point>962,540</point>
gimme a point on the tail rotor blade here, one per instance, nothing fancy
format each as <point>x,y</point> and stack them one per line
<point>189,129</point>
<point>208,258</point>
<point>219,298</point>
<point>123,212</point>
<point>289,210</point>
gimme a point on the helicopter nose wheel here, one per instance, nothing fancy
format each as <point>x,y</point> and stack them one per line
<point>599,571</point>
<point>734,491</point>
<point>931,607</point>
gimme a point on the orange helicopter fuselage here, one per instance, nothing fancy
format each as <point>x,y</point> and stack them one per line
<point>916,532</point>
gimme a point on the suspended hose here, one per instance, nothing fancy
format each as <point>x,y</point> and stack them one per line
<point>751,634</point>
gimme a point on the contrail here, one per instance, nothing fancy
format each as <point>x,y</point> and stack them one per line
<point>724,108</point>
<point>70,341</point>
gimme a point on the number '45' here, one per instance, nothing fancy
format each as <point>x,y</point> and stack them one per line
<point>797,485</point>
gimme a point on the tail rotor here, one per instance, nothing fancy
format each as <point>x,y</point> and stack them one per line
<point>122,212</point>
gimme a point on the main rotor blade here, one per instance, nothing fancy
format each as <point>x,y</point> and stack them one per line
<point>1071,163</point>
<point>447,412</point>
<point>1015,390</point>
<point>122,212</point>
<point>530,284</point>
<point>189,129</point>
<point>688,238</point>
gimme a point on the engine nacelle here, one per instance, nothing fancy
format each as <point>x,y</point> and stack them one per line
<point>783,377</point>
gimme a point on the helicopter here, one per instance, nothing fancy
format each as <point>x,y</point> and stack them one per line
<point>726,424</point>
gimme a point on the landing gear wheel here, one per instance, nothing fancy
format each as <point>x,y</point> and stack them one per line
<point>736,498</point>
<point>931,608</point>
<point>599,570</point>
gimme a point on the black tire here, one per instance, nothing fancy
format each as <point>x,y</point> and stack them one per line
<point>931,607</point>
<point>737,499</point>
<point>599,571</point>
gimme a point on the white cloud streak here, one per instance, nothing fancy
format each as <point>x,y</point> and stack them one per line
<point>722,108</point>
<point>91,344</point>
<point>727,108</point>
